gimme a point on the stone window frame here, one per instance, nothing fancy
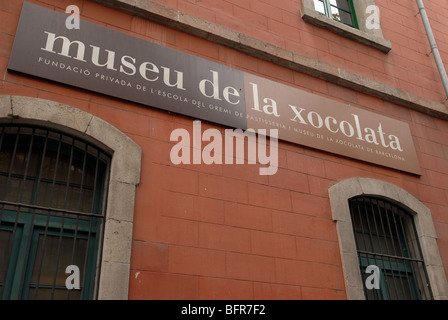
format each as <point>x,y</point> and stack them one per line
<point>341,192</point>
<point>124,177</point>
<point>370,37</point>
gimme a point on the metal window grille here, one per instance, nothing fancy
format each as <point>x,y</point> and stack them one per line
<point>386,237</point>
<point>52,204</point>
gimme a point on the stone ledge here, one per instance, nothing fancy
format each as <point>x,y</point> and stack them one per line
<point>314,17</point>
<point>260,49</point>
<point>343,190</point>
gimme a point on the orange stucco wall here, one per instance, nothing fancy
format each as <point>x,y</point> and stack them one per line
<point>224,231</point>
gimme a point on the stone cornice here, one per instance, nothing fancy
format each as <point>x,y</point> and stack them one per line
<point>199,27</point>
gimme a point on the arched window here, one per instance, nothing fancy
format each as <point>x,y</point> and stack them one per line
<point>383,225</point>
<point>52,204</point>
<point>386,238</point>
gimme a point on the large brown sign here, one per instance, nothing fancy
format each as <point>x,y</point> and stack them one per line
<point>110,62</point>
<point>321,123</point>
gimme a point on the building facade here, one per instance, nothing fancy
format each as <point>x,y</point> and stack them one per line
<point>134,150</point>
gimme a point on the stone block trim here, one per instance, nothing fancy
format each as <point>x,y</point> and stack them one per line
<point>258,48</point>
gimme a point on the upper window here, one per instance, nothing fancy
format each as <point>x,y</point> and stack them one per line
<point>348,18</point>
<point>339,10</point>
<point>386,238</point>
<point>52,195</point>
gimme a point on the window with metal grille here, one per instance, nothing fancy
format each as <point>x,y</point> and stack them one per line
<point>386,237</point>
<point>52,204</point>
<point>339,10</point>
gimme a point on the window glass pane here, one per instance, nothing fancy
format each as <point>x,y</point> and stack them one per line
<point>53,255</point>
<point>335,13</point>
<point>377,231</point>
<point>345,17</point>
<point>16,190</point>
<point>58,173</point>
<point>22,158</point>
<point>319,6</point>
<point>341,16</point>
<point>5,251</point>
<point>54,294</point>
<point>385,236</point>
<point>397,287</point>
<point>16,182</point>
<point>342,4</point>
<point>339,10</point>
<point>64,168</point>
<point>65,197</point>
